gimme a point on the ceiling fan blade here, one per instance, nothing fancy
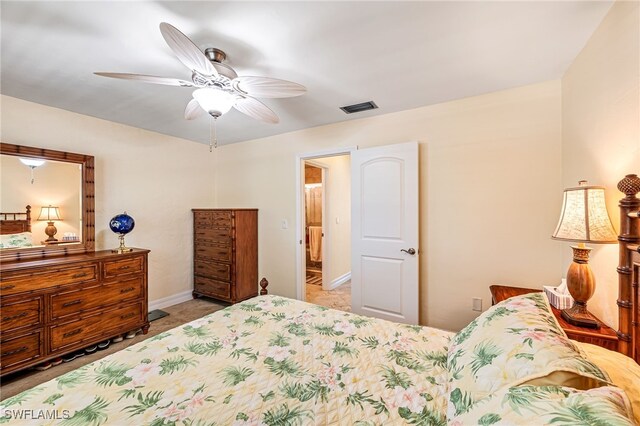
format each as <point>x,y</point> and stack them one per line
<point>192,110</point>
<point>265,87</point>
<point>256,109</point>
<point>147,78</point>
<point>186,51</point>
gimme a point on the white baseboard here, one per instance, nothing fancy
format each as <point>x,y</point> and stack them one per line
<point>340,280</point>
<point>174,299</point>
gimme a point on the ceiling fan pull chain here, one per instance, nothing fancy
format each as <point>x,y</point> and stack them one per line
<point>213,134</point>
<point>210,134</point>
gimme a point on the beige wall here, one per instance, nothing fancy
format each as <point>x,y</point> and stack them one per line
<point>338,193</point>
<point>601,131</point>
<point>55,183</point>
<point>157,179</point>
<point>489,182</point>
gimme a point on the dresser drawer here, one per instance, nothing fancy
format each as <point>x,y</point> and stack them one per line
<point>208,251</point>
<point>215,270</point>
<point>218,235</point>
<point>23,313</point>
<point>96,325</point>
<point>20,349</point>
<point>212,287</point>
<point>131,265</point>
<point>16,282</point>
<point>75,301</point>
<point>209,219</point>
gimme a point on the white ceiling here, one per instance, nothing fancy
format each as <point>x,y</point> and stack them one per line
<point>401,55</point>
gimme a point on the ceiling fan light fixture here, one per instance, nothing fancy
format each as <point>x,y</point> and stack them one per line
<point>31,162</point>
<point>214,101</point>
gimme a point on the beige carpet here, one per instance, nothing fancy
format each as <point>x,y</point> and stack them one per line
<point>178,315</point>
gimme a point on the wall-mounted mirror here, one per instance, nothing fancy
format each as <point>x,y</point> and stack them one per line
<point>46,202</point>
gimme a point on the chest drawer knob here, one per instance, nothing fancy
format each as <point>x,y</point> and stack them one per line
<point>80,275</point>
<point>7,287</point>
<point>15,351</point>
<point>123,268</point>
<point>73,332</point>
<point>127,290</point>
<point>16,316</point>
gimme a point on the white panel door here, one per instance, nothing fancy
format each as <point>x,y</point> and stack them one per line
<point>384,209</point>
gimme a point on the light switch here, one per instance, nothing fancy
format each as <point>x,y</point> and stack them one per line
<point>285,224</point>
<point>337,220</point>
<point>477,304</point>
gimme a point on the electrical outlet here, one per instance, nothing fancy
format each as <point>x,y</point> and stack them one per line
<point>477,304</point>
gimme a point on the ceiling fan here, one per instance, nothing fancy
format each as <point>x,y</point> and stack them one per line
<point>218,86</point>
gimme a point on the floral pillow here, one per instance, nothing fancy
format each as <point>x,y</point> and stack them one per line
<point>524,405</point>
<point>23,239</point>
<point>515,342</point>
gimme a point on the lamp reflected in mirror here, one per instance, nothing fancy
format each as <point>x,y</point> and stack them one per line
<point>50,214</point>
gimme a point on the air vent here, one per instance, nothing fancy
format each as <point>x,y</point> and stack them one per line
<point>364,106</point>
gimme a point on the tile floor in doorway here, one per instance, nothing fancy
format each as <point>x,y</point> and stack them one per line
<point>339,298</point>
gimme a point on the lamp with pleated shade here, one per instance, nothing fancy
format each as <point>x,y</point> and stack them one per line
<point>584,219</point>
<point>50,214</point>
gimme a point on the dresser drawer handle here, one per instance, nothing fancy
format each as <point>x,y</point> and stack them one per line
<point>123,268</point>
<point>15,351</point>
<point>73,333</point>
<point>80,275</point>
<point>7,287</point>
<point>222,271</point>
<point>129,315</point>
<point>127,290</point>
<point>75,302</point>
<point>20,315</point>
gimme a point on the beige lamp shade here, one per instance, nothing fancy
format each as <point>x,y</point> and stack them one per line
<point>584,217</point>
<point>49,213</point>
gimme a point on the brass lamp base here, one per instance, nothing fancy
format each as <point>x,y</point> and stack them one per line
<point>122,248</point>
<point>578,315</point>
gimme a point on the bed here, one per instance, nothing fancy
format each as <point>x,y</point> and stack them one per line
<point>276,361</point>
<point>15,229</point>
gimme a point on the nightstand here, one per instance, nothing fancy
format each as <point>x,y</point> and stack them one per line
<point>604,336</point>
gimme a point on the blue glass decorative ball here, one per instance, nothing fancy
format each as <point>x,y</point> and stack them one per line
<point>122,223</point>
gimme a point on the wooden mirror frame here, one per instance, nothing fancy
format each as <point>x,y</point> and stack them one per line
<point>88,204</point>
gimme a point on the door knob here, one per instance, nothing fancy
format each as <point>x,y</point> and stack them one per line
<point>411,251</point>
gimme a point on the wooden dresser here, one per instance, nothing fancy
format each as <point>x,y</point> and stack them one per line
<point>55,306</point>
<point>225,253</point>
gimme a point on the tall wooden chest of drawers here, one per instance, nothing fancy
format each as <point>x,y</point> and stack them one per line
<point>225,256</point>
<point>55,306</point>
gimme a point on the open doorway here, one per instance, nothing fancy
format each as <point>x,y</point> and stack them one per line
<point>324,223</point>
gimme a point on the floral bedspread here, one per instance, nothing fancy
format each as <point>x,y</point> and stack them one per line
<point>268,360</point>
